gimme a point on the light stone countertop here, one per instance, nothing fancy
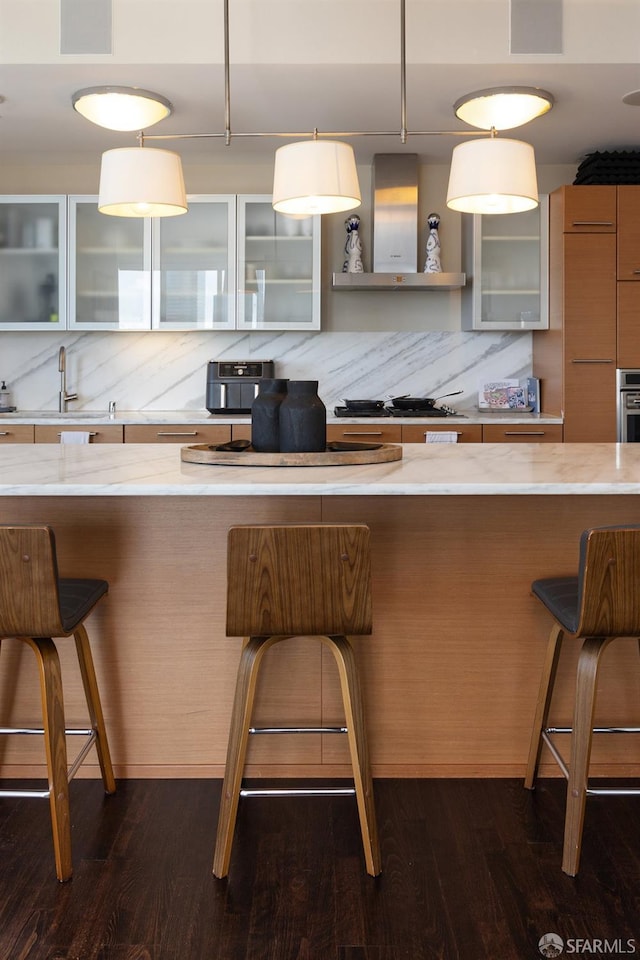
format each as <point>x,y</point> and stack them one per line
<point>426,469</point>
<point>152,417</point>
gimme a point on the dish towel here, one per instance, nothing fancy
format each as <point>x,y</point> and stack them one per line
<point>441,436</point>
<point>75,436</point>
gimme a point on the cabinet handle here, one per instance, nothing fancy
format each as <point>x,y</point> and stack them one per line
<point>457,432</point>
<point>5,433</point>
<point>635,271</point>
<point>90,434</point>
<point>362,433</point>
<point>177,433</point>
<point>592,223</point>
<point>592,361</point>
<point>524,433</point>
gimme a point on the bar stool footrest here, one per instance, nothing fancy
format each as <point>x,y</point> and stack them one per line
<point>297,791</point>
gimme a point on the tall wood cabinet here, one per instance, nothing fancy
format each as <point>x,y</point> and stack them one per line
<point>576,358</point>
<point>628,277</point>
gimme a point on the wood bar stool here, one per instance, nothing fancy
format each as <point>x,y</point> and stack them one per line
<point>36,605</point>
<point>313,581</point>
<point>597,606</point>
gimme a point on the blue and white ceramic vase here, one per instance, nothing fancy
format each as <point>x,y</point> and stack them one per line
<point>265,415</point>
<point>303,419</point>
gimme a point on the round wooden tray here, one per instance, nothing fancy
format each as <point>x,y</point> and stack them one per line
<point>207,453</point>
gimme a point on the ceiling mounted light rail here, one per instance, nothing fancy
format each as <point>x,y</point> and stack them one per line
<point>317,173</point>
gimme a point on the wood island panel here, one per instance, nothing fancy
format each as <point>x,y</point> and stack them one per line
<point>450,673</point>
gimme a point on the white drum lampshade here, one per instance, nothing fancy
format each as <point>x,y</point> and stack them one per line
<point>492,176</point>
<point>315,176</point>
<point>141,182</point>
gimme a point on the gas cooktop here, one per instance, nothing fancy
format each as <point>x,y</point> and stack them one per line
<point>394,412</point>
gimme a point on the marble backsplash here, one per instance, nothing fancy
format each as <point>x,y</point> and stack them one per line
<point>166,371</point>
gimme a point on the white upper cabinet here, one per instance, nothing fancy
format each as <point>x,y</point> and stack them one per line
<point>174,273</point>
<point>33,232</point>
<point>505,258</point>
<point>278,268</point>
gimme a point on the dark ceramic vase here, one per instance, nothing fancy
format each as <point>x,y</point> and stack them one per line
<point>265,415</point>
<point>303,419</point>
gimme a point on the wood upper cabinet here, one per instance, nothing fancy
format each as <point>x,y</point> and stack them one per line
<point>588,209</point>
<point>628,325</point>
<point>576,358</point>
<point>629,233</point>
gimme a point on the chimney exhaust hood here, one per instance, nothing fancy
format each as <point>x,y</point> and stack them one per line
<point>395,234</point>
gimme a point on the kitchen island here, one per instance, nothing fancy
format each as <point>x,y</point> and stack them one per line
<point>450,673</point>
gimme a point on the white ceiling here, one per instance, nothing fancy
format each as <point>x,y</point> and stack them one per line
<point>38,124</point>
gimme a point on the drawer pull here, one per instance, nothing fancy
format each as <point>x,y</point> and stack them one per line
<point>524,433</point>
<point>592,223</point>
<point>458,433</point>
<point>177,433</point>
<point>635,271</point>
<point>90,434</point>
<point>592,361</point>
<point>5,433</point>
<point>362,433</point>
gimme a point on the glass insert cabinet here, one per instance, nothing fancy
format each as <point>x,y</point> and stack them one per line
<point>278,268</point>
<point>229,263</point>
<point>33,232</point>
<point>175,273</point>
<point>505,258</point>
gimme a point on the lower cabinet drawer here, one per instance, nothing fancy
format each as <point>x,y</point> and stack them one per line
<point>16,433</point>
<point>544,433</point>
<point>241,431</point>
<point>177,433</point>
<point>374,432</point>
<point>416,433</point>
<point>97,432</point>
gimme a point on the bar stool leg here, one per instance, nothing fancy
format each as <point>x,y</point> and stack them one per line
<point>92,695</point>
<point>356,735</point>
<point>543,705</point>
<point>587,678</point>
<point>56,750</point>
<point>250,660</point>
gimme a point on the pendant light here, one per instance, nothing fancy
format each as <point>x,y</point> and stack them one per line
<point>315,176</point>
<point>318,175</point>
<point>141,182</point>
<point>492,176</point>
<point>121,108</point>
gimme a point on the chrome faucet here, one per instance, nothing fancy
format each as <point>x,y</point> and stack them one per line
<point>63,396</point>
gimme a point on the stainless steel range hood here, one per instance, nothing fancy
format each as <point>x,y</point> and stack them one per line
<point>394,253</point>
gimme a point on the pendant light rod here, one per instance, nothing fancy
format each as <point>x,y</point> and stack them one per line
<point>403,133</point>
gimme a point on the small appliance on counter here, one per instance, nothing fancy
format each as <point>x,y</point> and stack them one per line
<point>232,385</point>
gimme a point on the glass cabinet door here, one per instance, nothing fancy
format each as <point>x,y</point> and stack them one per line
<point>506,261</point>
<point>278,268</point>
<point>32,262</point>
<point>194,266</point>
<point>110,269</point>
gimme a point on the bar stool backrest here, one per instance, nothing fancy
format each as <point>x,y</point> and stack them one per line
<point>299,580</point>
<point>609,582</point>
<point>29,596</point>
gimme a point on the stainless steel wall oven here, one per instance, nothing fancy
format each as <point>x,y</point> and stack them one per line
<point>628,406</point>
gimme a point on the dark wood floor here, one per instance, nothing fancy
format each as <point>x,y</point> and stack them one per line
<point>471,870</point>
